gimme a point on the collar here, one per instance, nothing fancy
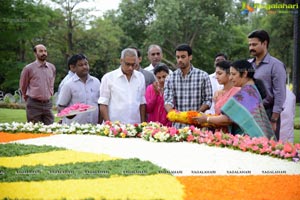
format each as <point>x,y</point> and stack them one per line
<point>266,59</point>
<point>76,78</point>
<point>71,73</point>
<point>191,71</point>
<point>120,73</point>
<point>41,64</point>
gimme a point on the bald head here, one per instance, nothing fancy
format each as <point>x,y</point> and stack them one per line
<point>155,54</point>
<point>40,52</point>
<point>38,46</point>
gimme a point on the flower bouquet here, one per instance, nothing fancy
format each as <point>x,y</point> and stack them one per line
<point>186,117</point>
<point>75,109</point>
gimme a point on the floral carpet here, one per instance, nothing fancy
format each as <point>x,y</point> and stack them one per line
<point>95,167</point>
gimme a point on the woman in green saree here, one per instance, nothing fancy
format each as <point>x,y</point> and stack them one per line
<point>244,112</point>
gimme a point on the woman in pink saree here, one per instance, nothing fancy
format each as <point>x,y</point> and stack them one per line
<point>154,96</point>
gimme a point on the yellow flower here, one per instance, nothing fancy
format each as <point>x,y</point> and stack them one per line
<point>53,158</point>
<point>106,131</point>
<point>160,186</point>
<point>144,124</point>
<point>123,135</point>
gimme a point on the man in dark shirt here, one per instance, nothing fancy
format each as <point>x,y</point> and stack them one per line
<point>37,86</point>
<point>272,72</point>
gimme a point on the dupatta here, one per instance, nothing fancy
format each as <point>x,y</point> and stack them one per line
<point>246,110</point>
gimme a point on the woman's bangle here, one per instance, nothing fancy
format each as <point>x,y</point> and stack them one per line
<point>207,119</point>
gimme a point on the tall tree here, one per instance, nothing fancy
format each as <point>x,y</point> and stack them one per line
<point>75,16</point>
<point>133,16</point>
<point>102,45</point>
<point>196,22</point>
<point>21,23</point>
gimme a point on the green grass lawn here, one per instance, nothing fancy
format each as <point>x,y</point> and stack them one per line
<point>19,115</point>
<point>14,115</point>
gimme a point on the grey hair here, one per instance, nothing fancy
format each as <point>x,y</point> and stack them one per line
<point>154,46</point>
<point>128,52</point>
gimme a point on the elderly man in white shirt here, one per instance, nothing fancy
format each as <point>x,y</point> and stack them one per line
<point>122,92</point>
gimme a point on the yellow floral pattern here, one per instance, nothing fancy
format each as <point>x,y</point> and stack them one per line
<point>53,158</point>
<point>160,186</point>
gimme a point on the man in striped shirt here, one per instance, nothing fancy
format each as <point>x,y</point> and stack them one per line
<point>187,88</point>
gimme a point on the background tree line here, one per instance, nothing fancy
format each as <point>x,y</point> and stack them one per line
<point>209,27</point>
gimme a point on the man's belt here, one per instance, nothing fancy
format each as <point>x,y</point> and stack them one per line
<point>40,101</point>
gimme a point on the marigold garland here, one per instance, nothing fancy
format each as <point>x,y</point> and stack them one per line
<point>279,187</point>
<point>186,117</point>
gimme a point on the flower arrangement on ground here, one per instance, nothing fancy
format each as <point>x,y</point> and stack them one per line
<point>155,132</point>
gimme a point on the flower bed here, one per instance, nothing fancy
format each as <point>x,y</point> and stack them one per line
<point>241,187</point>
<point>66,172</point>
<point>8,137</point>
<point>155,132</point>
<point>62,174</point>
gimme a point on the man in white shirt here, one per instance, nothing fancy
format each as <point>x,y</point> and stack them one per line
<point>80,88</point>
<point>122,92</point>
<point>155,55</point>
<point>214,83</point>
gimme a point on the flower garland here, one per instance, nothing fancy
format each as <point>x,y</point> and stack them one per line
<point>187,117</point>
<point>155,132</point>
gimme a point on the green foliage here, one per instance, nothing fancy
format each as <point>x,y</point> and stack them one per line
<point>197,23</point>
<point>6,99</point>
<point>22,26</point>
<point>11,149</point>
<point>133,17</point>
<point>108,46</point>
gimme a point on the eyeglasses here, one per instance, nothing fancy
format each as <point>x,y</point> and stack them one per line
<point>130,64</point>
<point>153,54</point>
